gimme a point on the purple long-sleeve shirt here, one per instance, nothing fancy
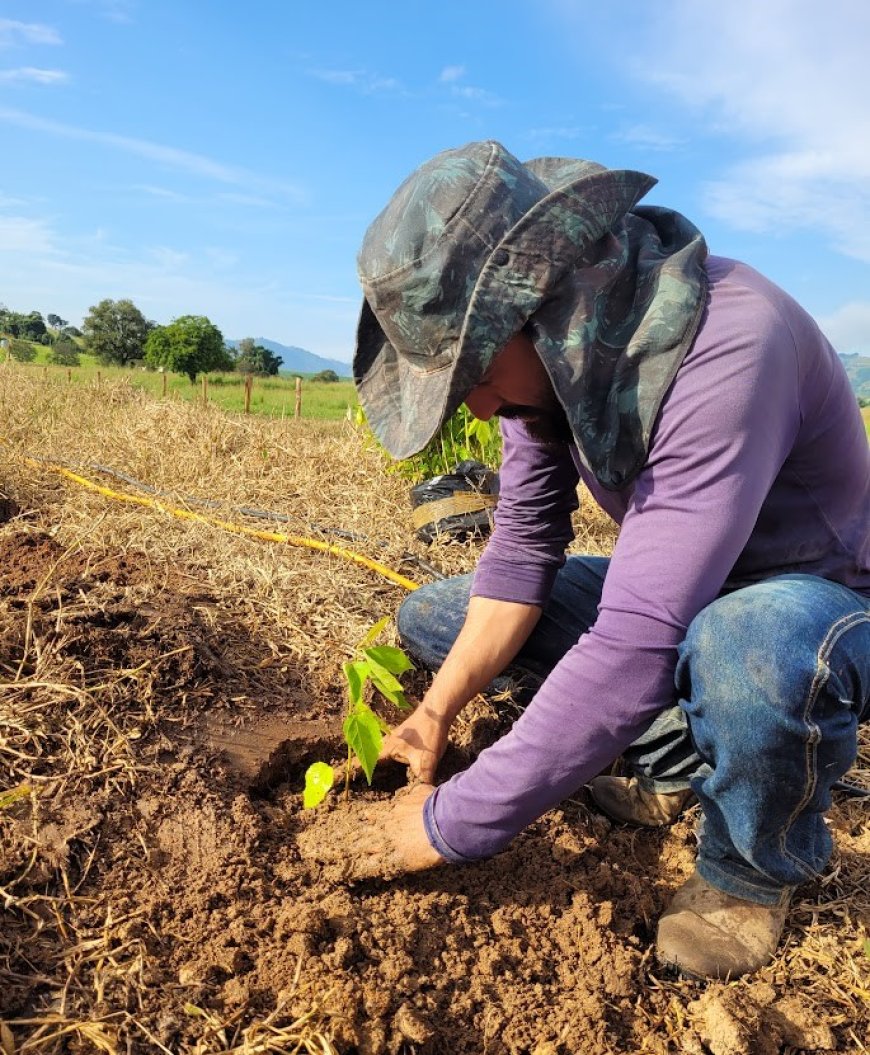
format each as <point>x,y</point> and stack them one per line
<point>758,464</point>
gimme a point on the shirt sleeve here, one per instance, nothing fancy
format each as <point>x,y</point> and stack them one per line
<point>537,495</point>
<point>715,453</point>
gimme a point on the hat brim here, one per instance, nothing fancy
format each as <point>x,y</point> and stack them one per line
<point>405,406</point>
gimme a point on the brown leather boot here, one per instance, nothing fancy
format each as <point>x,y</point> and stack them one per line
<point>706,933</point>
<point>624,800</point>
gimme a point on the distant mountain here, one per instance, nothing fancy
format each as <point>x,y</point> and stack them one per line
<point>299,360</point>
<point>858,369</point>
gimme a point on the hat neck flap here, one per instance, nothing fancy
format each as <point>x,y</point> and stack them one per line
<point>614,331</point>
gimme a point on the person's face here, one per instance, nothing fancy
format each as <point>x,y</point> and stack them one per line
<point>516,385</point>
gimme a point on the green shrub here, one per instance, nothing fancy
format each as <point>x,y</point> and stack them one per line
<point>21,351</point>
<point>65,353</point>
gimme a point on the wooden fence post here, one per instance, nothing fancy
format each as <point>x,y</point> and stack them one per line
<point>164,385</point>
<point>99,377</point>
<point>205,388</point>
<point>249,383</point>
<point>68,374</point>
<point>298,410</point>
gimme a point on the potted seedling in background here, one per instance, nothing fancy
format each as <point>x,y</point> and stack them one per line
<point>363,729</point>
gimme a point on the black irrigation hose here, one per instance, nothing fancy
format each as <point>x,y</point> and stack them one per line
<point>854,791</point>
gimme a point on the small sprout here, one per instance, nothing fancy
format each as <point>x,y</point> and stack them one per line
<point>319,778</point>
<point>363,729</point>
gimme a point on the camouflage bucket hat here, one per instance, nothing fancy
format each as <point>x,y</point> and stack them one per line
<point>463,255</point>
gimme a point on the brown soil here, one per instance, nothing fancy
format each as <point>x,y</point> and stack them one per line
<point>163,894</point>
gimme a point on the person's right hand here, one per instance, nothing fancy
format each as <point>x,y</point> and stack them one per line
<point>420,742</point>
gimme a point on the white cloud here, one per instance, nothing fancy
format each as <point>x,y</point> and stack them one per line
<point>32,75</point>
<point>12,32</point>
<point>196,164</point>
<point>63,273</point>
<point>255,201</point>
<point>21,234</point>
<point>168,259</point>
<point>647,137</point>
<point>848,328</point>
<point>163,192</point>
<point>114,10</point>
<point>363,81</point>
<point>791,80</point>
<point>477,95</point>
<point>451,75</point>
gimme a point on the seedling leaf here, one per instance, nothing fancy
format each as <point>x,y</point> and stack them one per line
<point>363,735</point>
<point>356,674</point>
<point>319,778</point>
<point>7,798</point>
<point>388,685</point>
<point>372,634</point>
<point>395,696</point>
<point>392,659</point>
<point>381,676</point>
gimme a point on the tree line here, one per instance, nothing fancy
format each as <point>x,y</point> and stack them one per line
<point>117,333</point>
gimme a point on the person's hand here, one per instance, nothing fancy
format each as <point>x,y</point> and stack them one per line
<point>394,833</point>
<point>388,839</point>
<point>419,742</point>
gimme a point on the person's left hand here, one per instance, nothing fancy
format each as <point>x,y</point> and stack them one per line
<point>387,840</point>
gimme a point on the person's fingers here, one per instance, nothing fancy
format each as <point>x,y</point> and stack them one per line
<point>395,748</point>
<point>426,770</point>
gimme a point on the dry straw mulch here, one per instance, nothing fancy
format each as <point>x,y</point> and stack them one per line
<point>118,623</point>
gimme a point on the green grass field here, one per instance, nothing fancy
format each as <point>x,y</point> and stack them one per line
<point>271,396</point>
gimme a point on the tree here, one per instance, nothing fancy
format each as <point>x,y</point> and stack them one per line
<point>255,359</point>
<point>29,327</point>
<point>329,376</point>
<point>65,353</point>
<point>190,345</point>
<point>55,321</point>
<point>115,331</point>
<point>22,351</point>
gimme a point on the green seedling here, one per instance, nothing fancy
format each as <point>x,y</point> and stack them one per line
<point>363,730</point>
<point>319,779</point>
<point>461,437</point>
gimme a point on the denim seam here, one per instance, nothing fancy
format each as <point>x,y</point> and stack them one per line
<point>844,624</point>
<point>781,893</point>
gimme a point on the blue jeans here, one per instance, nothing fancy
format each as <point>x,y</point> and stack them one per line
<point>771,683</point>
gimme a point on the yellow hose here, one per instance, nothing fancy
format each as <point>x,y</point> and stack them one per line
<point>226,525</point>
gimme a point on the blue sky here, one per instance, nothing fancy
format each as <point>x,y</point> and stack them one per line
<point>225,159</point>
